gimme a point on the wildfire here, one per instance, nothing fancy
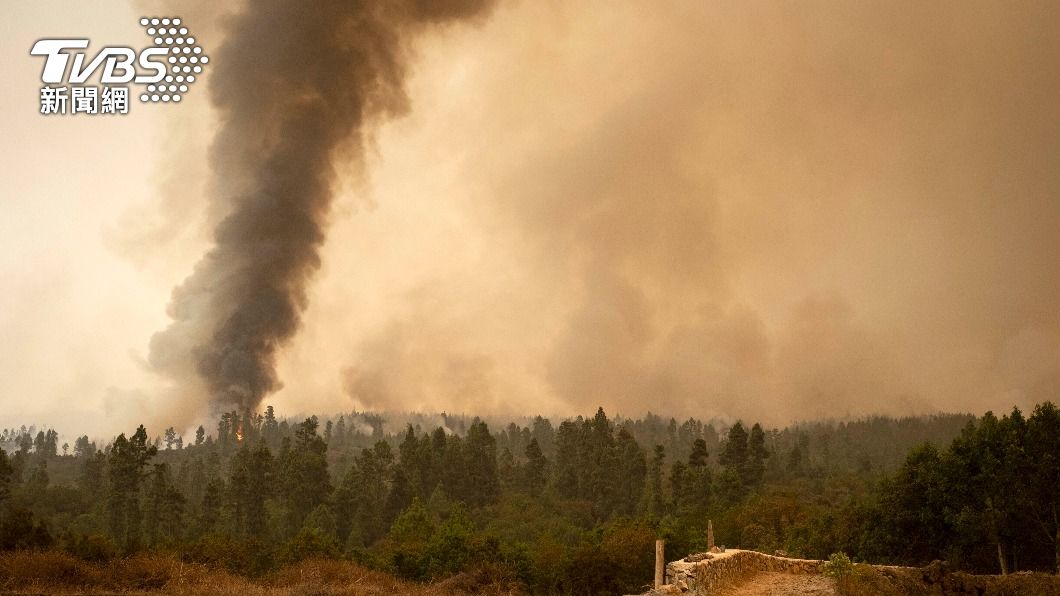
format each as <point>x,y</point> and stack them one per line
<point>239,433</point>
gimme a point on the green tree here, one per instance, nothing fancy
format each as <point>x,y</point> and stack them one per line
<point>536,470</point>
<point>361,499</point>
<point>507,470</point>
<point>697,460</point>
<point>399,497</point>
<point>305,482</point>
<point>126,463</point>
<point>212,501</point>
<point>680,488</point>
<point>756,457</point>
<point>91,481</point>
<point>654,498</point>
<point>1043,474</point>
<point>83,447</point>
<point>568,460</point>
<point>270,428</point>
<point>164,508</point>
<point>483,485</point>
<point>699,480</point>
<point>632,469</point>
<point>450,547</point>
<point>735,452</point>
<point>410,534</point>
<point>601,465</point>
<point>251,484</point>
<point>5,477</point>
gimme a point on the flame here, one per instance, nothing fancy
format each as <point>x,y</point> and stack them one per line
<point>239,433</point>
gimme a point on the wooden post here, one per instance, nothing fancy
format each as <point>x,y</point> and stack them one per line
<point>710,534</point>
<point>660,563</point>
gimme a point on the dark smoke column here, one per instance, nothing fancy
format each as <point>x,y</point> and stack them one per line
<point>297,85</point>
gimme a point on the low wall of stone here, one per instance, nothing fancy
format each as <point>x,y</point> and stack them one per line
<point>728,568</point>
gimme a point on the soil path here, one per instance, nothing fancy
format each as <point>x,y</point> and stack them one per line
<point>782,584</point>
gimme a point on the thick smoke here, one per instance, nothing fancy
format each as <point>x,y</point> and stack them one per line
<point>297,87</point>
<point>723,208</point>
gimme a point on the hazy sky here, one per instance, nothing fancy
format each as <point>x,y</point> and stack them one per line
<point>770,210</point>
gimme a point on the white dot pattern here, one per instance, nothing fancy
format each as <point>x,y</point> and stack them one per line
<point>168,33</point>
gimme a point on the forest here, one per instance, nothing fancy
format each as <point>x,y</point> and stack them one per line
<point>569,506</point>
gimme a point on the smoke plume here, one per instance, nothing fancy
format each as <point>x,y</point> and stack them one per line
<point>297,87</point>
<point>724,208</point>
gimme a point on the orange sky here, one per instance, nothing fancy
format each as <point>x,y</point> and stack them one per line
<point>753,209</point>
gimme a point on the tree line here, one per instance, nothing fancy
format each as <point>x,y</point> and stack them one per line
<point>570,508</point>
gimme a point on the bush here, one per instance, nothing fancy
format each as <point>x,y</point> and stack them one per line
<point>310,544</point>
<point>20,530</point>
<point>854,580</point>
<point>93,547</point>
<point>219,551</point>
<point>840,568</point>
<point>20,569</point>
<point>757,537</point>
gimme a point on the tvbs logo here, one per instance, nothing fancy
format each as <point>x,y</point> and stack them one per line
<point>166,70</point>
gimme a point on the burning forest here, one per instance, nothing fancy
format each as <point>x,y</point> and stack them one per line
<point>530,297</point>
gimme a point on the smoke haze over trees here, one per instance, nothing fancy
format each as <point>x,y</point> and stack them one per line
<point>570,506</point>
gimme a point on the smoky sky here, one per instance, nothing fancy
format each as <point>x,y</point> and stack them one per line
<point>767,210</point>
<point>295,85</point>
<point>774,210</point>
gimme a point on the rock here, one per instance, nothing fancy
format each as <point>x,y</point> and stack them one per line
<point>697,557</point>
<point>935,572</point>
<point>780,553</point>
<point>715,549</point>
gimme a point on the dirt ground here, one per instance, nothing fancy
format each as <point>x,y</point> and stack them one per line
<point>782,584</point>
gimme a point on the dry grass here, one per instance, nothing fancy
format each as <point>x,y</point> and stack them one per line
<point>58,573</point>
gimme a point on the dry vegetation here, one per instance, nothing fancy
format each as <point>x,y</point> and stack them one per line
<point>53,572</point>
<point>878,580</point>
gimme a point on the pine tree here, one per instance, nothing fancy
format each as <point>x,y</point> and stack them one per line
<point>270,428</point>
<point>757,454</point>
<point>164,508</point>
<point>601,464</point>
<point>170,438</point>
<point>412,469</point>
<point>507,470</point>
<point>5,477</point>
<point>399,497</point>
<point>655,503</point>
<point>680,488</point>
<point>568,453</point>
<point>304,476</point>
<point>700,479</point>
<point>697,460</point>
<point>210,511</point>
<point>361,499</point>
<point>546,436</point>
<point>632,469</point>
<point>481,461</point>
<point>536,470</point>
<point>127,459</point>
<point>83,448</point>
<point>251,483</point>
<point>1043,454</point>
<point>91,480</point>
<point>734,453</point>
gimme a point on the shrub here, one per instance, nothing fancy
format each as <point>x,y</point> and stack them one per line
<point>93,547</point>
<point>27,568</point>
<point>840,568</point>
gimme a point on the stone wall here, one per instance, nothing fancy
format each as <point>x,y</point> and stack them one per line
<point>730,567</point>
